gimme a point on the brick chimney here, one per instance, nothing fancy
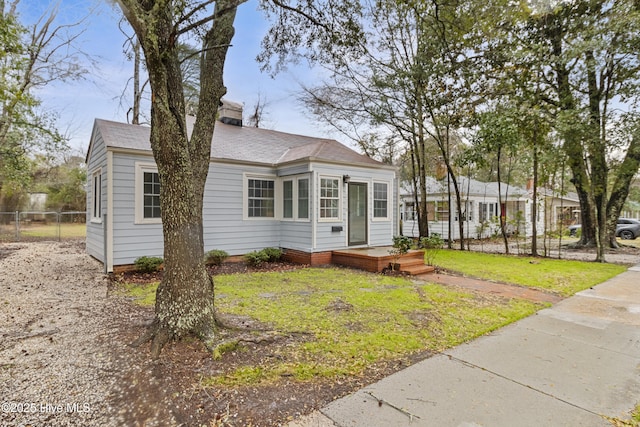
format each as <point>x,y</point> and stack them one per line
<point>530,184</point>
<point>230,113</point>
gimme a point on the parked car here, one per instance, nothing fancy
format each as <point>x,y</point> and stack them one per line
<point>626,229</point>
<point>573,229</point>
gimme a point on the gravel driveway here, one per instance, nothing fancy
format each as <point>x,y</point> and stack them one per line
<point>62,356</point>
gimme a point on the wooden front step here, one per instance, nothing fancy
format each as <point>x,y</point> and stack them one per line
<point>413,264</point>
<point>380,259</point>
<point>415,270</point>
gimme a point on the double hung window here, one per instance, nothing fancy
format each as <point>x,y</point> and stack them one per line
<point>261,198</point>
<point>96,196</point>
<point>329,198</point>
<point>380,200</point>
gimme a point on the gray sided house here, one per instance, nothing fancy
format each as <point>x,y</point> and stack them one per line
<point>309,196</point>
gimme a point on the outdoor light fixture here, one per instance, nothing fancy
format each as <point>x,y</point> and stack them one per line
<point>346,179</point>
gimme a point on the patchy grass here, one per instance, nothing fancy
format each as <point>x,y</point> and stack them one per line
<point>345,321</point>
<point>144,295</point>
<point>67,231</point>
<point>561,276</point>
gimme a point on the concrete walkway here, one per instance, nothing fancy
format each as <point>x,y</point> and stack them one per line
<point>569,365</point>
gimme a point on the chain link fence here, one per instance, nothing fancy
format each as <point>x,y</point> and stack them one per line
<point>33,226</point>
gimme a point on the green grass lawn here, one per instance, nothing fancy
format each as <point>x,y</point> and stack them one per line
<point>350,320</point>
<point>561,276</point>
<point>347,321</point>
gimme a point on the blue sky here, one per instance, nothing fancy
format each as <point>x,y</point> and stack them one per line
<point>98,95</point>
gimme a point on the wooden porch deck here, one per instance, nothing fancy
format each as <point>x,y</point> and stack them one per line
<point>377,259</point>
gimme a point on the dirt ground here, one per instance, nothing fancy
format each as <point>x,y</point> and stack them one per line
<point>65,358</point>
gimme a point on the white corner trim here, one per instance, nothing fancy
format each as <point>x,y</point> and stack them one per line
<point>109,224</point>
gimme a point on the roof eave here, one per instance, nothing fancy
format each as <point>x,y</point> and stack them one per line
<point>314,159</point>
<point>310,159</point>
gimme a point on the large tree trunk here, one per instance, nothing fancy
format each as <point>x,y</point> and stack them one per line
<point>597,155</point>
<point>185,296</point>
<point>572,139</point>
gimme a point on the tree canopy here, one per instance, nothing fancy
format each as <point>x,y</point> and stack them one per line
<point>31,57</point>
<point>407,71</point>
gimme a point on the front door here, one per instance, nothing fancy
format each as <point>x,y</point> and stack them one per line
<point>357,213</point>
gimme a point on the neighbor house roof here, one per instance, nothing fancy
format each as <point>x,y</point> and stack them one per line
<point>569,196</point>
<point>469,186</point>
<point>243,144</point>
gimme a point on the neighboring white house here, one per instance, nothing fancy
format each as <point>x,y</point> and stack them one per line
<point>264,189</point>
<point>482,208</point>
<point>561,211</point>
<point>631,210</point>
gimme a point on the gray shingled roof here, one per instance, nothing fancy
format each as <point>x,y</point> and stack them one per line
<point>245,144</point>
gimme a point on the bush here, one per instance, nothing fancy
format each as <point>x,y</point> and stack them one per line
<point>274,254</point>
<point>402,244</point>
<point>431,246</point>
<point>432,242</point>
<point>215,257</point>
<point>146,264</point>
<point>256,258</point>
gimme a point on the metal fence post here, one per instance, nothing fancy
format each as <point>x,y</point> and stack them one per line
<point>17,221</point>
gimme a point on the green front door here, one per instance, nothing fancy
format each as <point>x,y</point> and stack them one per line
<point>357,213</point>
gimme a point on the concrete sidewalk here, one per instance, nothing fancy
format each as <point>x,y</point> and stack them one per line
<point>569,365</point>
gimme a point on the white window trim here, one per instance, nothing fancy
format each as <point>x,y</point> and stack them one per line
<point>296,199</point>
<point>296,185</point>
<point>140,169</point>
<point>96,211</point>
<point>277,197</point>
<point>319,198</point>
<point>373,205</point>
